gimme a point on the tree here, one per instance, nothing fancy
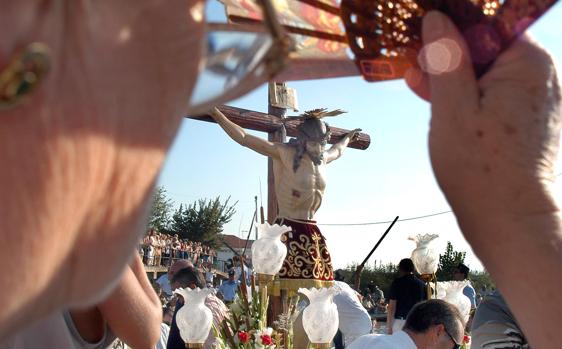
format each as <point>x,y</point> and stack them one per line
<point>202,221</point>
<point>161,210</point>
<point>448,262</point>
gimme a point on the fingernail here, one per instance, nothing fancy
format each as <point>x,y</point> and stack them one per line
<point>433,26</point>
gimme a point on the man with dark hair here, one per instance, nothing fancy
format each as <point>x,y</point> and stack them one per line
<point>405,292</point>
<point>461,274</point>
<point>433,324</point>
<point>187,277</point>
<point>165,280</point>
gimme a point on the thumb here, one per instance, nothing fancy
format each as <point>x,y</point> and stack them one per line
<point>446,60</point>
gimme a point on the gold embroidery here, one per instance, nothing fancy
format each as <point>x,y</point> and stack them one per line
<point>308,261</point>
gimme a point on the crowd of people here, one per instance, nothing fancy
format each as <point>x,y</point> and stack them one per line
<point>159,249</point>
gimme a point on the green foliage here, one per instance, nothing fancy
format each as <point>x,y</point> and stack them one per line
<point>202,221</point>
<point>381,275</point>
<point>160,212</point>
<point>448,262</point>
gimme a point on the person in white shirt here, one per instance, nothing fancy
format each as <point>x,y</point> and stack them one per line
<point>433,324</point>
<point>354,319</point>
<point>164,334</point>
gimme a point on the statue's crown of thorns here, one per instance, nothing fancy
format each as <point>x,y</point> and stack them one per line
<point>317,114</point>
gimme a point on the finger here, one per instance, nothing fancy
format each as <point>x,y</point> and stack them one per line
<point>418,82</point>
<point>446,60</point>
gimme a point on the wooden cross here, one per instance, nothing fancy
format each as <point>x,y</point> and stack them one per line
<point>277,131</point>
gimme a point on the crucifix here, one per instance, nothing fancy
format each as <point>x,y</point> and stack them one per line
<point>277,127</point>
<point>296,177</point>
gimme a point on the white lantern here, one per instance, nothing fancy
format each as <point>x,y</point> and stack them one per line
<point>452,292</point>
<point>194,319</point>
<point>320,318</point>
<point>425,258</point>
<point>268,252</point>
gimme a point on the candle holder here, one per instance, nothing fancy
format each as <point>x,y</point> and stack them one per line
<point>194,319</point>
<point>426,259</point>
<point>320,319</point>
<point>247,327</point>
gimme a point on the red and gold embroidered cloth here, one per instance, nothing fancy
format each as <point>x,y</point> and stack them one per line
<point>308,262</point>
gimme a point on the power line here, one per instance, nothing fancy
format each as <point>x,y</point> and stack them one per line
<point>400,220</point>
<point>386,222</point>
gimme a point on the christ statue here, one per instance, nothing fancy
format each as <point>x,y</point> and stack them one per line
<point>299,172</point>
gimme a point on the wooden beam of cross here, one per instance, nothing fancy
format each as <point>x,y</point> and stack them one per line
<point>277,130</point>
<point>253,120</point>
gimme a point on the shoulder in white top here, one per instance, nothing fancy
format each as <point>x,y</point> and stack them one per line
<point>398,340</point>
<point>354,320</point>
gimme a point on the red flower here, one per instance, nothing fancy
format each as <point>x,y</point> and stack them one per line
<point>466,339</point>
<point>266,339</point>
<point>244,337</point>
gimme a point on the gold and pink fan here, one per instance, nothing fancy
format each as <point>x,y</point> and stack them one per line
<point>380,39</point>
<point>378,29</point>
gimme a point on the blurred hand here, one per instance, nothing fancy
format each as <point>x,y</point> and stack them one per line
<point>493,142</point>
<point>81,155</point>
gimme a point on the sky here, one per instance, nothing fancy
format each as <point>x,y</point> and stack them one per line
<point>393,177</point>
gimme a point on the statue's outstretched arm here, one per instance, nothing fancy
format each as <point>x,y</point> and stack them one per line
<point>241,137</point>
<point>337,149</point>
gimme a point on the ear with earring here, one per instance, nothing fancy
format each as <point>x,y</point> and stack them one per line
<point>26,70</point>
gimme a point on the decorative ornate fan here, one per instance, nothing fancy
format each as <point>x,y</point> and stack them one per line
<point>385,35</point>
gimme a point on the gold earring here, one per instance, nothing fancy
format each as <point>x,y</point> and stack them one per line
<point>23,74</point>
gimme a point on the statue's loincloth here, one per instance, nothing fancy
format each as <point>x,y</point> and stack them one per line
<point>308,262</point>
